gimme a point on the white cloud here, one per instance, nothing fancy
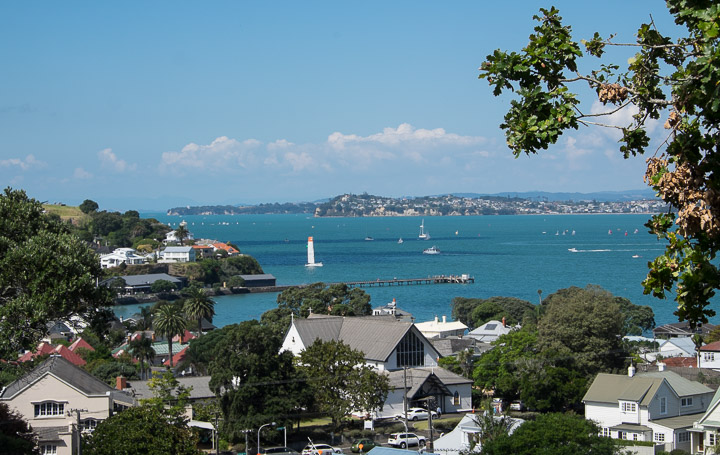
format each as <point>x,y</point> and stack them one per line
<point>222,154</point>
<point>280,144</point>
<point>404,134</point>
<point>81,174</point>
<point>29,162</point>
<point>109,160</point>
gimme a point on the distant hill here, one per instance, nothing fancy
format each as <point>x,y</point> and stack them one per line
<point>365,204</point>
<point>600,196</point>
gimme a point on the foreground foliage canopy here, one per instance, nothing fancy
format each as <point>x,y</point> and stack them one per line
<point>674,79</point>
<point>46,274</point>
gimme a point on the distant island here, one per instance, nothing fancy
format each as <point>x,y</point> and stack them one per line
<point>351,205</point>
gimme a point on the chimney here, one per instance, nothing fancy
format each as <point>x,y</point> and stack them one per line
<point>631,370</point>
<point>436,319</point>
<point>121,383</point>
<point>661,366</point>
<point>444,319</point>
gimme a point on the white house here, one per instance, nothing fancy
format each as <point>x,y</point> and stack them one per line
<point>677,347</point>
<point>171,237</point>
<point>441,329</point>
<point>119,256</point>
<point>706,430</point>
<point>55,395</point>
<point>490,331</point>
<point>177,254</point>
<point>658,406</point>
<point>710,356</point>
<point>459,439</point>
<point>389,346</point>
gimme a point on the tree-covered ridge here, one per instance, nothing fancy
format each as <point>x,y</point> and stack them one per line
<point>355,205</point>
<point>260,209</point>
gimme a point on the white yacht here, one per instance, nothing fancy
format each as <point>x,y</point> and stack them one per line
<point>423,235</point>
<point>311,255</point>
<point>432,250</point>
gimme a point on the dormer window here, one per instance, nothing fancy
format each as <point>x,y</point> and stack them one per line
<point>628,406</point>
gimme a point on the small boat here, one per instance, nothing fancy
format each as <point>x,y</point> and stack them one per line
<point>369,239</point>
<point>610,232</point>
<point>432,250</point>
<point>456,232</point>
<point>636,231</point>
<point>636,256</point>
<point>423,235</point>
<point>573,250</point>
<point>400,240</point>
<point>311,255</point>
<point>573,232</point>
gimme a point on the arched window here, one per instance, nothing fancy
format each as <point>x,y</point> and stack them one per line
<point>456,399</point>
<point>410,351</point>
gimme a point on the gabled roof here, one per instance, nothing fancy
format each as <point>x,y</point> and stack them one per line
<point>682,343</point>
<point>376,337</point>
<point>67,372</point>
<point>45,349</point>
<point>641,388</point>
<point>714,346</point>
<point>200,387</point>
<point>688,362</point>
<point>80,343</point>
<point>417,376</point>
<point>177,357</point>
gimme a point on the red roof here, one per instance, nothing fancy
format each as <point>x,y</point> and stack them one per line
<point>64,351</point>
<point>187,336</point>
<point>226,247</point>
<point>177,358</point>
<point>689,362</point>
<point>70,356</point>
<point>42,349</point>
<point>714,346</point>
<point>80,343</point>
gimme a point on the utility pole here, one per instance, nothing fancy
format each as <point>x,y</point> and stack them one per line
<point>246,439</point>
<point>76,432</point>
<point>216,436</point>
<point>405,392</point>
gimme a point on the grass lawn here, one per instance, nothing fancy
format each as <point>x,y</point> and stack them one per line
<point>66,212</point>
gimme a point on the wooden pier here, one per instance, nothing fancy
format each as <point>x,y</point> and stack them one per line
<point>436,279</point>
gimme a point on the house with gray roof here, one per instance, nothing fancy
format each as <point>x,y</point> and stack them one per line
<point>658,406</point>
<point>490,331</point>
<point>705,431</point>
<point>48,396</point>
<point>392,347</point>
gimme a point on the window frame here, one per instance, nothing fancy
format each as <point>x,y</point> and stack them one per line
<point>56,409</point>
<point>686,402</point>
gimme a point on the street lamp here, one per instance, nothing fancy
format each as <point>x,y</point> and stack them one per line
<point>259,429</point>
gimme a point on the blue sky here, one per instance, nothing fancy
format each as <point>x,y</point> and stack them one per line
<point>149,105</point>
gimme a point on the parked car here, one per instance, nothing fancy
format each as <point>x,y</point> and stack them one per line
<point>367,445</point>
<point>405,440</point>
<point>321,449</point>
<point>417,414</point>
<point>278,451</point>
<point>517,405</point>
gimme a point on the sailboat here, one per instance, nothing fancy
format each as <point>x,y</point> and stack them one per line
<point>423,235</point>
<point>400,240</point>
<point>311,255</point>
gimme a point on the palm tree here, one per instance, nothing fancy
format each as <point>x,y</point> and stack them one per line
<point>198,306</point>
<point>169,323</point>
<point>145,321</point>
<point>141,348</point>
<point>181,233</point>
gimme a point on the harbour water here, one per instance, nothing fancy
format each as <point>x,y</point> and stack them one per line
<point>507,255</point>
